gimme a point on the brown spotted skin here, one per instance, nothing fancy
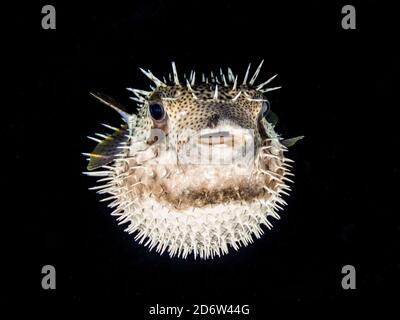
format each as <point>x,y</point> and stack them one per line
<point>186,112</point>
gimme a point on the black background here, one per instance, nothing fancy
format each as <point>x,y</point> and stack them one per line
<point>338,91</point>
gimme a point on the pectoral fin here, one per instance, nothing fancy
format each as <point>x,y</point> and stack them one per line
<point>272,118</point>
<point>108,149</point>
<point>291,142</point>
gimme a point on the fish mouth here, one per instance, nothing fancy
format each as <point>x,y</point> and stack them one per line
<point>226,137</point>
<point>223,145</point>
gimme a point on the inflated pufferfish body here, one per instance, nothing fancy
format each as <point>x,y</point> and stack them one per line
<point>199,169</point>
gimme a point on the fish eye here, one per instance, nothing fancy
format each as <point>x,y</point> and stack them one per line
<point>157,111</point>
<point>265,108</point>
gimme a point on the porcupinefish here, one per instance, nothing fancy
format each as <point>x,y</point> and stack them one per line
<point>199,168</point>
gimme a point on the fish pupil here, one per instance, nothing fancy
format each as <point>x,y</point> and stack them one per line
<point>157,111</point>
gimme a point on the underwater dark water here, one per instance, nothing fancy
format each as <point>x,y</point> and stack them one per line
<point>338,91</point>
